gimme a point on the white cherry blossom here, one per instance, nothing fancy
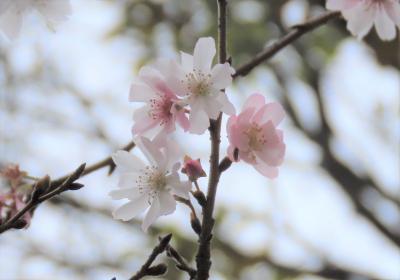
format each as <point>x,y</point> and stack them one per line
<point>199,84</point>
<point>150,185</point>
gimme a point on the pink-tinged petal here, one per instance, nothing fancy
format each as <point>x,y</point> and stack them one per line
<point>392,8</point>
<point>270,112</point>
<point>227,106</point>
<point>172,74</point>
<point>203,55</point>
<point>267,171</point>
<point>384,26</point>
<point>245,116</point>
<point>131,209</point>
<point>130,193</point>
<point>198,119</point>
<point>255,101</point>
<point>54,11</point>
<point>359,20</point>
<point>127,162</point>
<point>142,121</point>
<point>238,138</point>
<point>183,120</point>
<point>151,151</point>
<point>187,62</point>
<point>140,93</point>
<point>152,214</point>
<point>247,156</point>
<point>11,22</point>
<point>221,76</point>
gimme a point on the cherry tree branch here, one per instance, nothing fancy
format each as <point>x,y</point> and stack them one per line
<point>203,257</point>
<point>147,269</point>
<point>296,32</point>
<point>56,187</point>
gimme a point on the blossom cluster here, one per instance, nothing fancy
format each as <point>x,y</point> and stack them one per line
<point>189,94</point>
<point>14,198</point>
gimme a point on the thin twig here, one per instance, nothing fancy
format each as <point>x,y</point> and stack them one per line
<point>296,32</point>
<point>147,269</point>
<point>37,199</point>
<point>60,185</point>
<point>96,166</point>
<point>180,262</point>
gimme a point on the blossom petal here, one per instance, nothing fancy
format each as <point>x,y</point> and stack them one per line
<point>187,62</point>
<point>221,76</point>
<point>130,193</point>
<point>255,101</point>
<point>393,10</point>
<point>151,151</point>
<point>359,20</point>
<point>179,188</point>
<point>128,179</point>
<point>142,121</point>
<point>127,161</point>
<point>10,22</point>
<point>152,214</point>
<point>384,26</point>
<point>54,11</point>
<point>167,203</point>
<point>198,119</point>
<point>140,93</point>
<point>204,52</point>
<point>270,112</point>
<point>266,170</point>
<point>227,106</point>
<point>131,209</point>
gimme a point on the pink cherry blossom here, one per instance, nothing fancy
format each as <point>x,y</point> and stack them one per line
<point>253,132</point>
<point>162,107</point>
<point>193,169</point>
<point>361,15</point>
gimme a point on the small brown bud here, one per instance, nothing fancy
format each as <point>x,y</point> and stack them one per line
<point>40,188</point>
<point>195,223</point>
<point>19,224</point>
<point>200,197</point>
<point>157,270</point>
<point>75,186</point>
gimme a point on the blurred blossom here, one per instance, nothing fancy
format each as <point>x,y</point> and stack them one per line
<point>12,13</point>
<point>361,15</point>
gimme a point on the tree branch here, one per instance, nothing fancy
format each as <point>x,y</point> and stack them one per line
<point>147,269</point>
<point>203,257</point>
<point>296,32</point>
<point>56,187</point>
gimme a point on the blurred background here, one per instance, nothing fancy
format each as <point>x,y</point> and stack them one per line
<point>333,213</point>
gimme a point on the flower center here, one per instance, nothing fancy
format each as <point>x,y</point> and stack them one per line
<point>198,83</point>
<point>256,137</point>
<point>160,109</point>
<point>152,181</point>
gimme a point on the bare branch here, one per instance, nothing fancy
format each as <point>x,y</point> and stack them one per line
<point>297,31</point>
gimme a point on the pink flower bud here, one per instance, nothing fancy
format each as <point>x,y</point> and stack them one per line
<point>193,169</point>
